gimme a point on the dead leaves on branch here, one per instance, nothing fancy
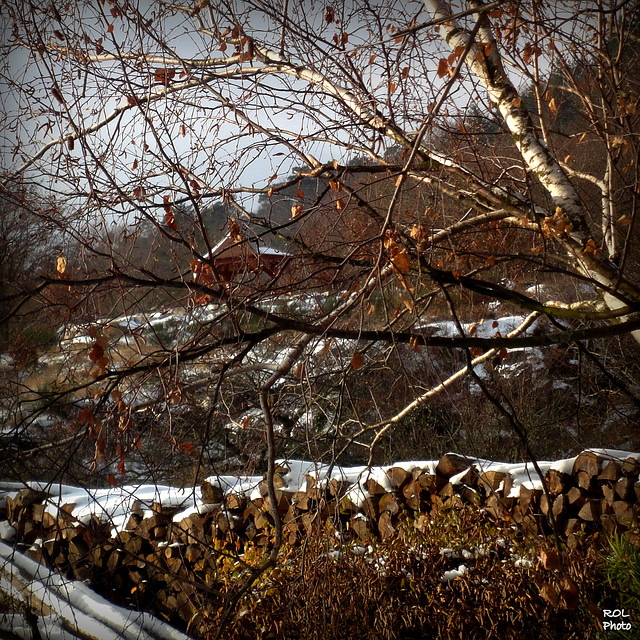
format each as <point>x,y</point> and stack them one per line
<point>627,103</point>
<point>530,51</point>
<point>591,249</point>
<point>169,216</point>
<point>446,65</point>
<point>164,76</point>
<point>397,253</point>
<point>97,355</point>
<point>61,268</point>
<point>558,225</point>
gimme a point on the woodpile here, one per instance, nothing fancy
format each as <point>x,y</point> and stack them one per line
<point>161,562</point>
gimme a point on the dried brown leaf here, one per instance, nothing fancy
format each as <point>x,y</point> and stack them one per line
<point>400,261</point>
<point>443,68</point>
<point>548,593</point>
<point>357,361</point>
<point>550,559</point>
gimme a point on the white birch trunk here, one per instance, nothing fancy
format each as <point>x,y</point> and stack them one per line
<point>567,224</point>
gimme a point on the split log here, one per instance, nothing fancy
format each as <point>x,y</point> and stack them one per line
<point>470,495</point>
<point>78,550</point>
<point>590,511</point>
<point>386,525</point>
<point>374,487</point>
<point>37,512</point>
<point>283,501</point>
<point>49,522</point>
<point>193,553</point>
<point>252,509</point>
<point>624,488</point>
<point>337,488</point>
<point>557,482</point>
<point>576,497</point>
<point>490,480</point>
<point>361,527</point>
<point>560,509</point>
<point>516,514</point>
<point>155,526</point>
<point>135,545</point>
<point>611,472</point>
<point>389,504</point>
<point>447,491</point>
<point>302,500</point>
<point>348,506</point>
<point>631,467</point>
<point>412,495</point>
<point>370,507</point>
<point>235,501</point>
<point>52,548</point>
<point>609,523</point>
<point>292,533</point>
<point>28,531</point>
<point>291,516</point>
<point>211,493</point>
<point>609,493</point>
<point>399,476</point>
<point>262,519</point>
<point>431,482</point>
<point>498,507</point>
<point>470,478</point>
<point>191,529</point>
<point>589,462</point>
<point>310,522</point>
<point>605,507</point>
<point>507,486</point>
<point>113,561</point>
<point>545,504</point>
<point>528,498</point>
<point>133,522</point>
<point>625,513</point>
<point>530,524</point>
<point>451,464</point>
<point>586,481</point>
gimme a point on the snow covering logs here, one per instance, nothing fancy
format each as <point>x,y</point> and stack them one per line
<point>161,549</point>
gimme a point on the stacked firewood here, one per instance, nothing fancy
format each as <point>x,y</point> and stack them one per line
<point>160,561</point>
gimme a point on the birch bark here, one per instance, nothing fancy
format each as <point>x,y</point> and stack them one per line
<point>566,223</point>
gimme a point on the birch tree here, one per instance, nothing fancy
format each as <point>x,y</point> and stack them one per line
<point>568,224</point>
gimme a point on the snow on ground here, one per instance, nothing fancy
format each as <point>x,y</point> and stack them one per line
<point>70,604</point>
<point>484,329</point>
<point>115,504</point>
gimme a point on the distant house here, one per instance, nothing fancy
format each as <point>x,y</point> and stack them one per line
<point>239,260</point>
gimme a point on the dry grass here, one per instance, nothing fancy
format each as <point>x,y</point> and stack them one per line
<point>394,590</point>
